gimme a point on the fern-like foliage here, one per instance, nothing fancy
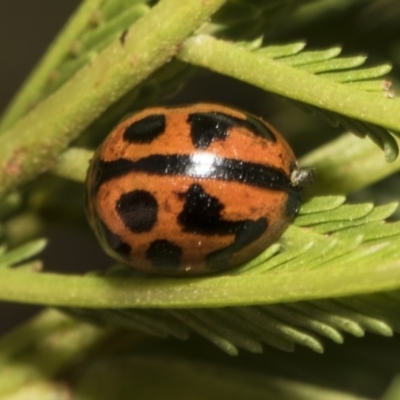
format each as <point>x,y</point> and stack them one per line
<point>282,326</point>
<point>347,70</point>
<point>357,235</point>
<point>327,235</point>
<point>333,274</point>
<point>107,24</point>
<point>245,20</point>
<point>324,64</point>
<point>352,241</point>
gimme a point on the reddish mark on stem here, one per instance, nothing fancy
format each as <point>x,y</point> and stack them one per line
<point>13,167</point>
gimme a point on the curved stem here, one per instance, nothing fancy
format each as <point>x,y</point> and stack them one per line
<point>219,291</point>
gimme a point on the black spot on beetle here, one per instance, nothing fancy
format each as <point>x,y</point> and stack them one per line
<point>146,129</point>
<point>201,214</point>
<point>114,241</point>
<point>256,126</point>
<point>208,127</point>
<point>138,210</point>
<point>164,254</point>
<point>248,232</point>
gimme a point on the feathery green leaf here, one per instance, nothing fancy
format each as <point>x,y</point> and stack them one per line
<point>347,104</point>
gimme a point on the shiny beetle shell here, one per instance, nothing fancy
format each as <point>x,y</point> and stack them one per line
<point>191,190</point>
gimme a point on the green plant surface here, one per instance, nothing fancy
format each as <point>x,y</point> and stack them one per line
<point>114,292</point>
<point>332,281</point>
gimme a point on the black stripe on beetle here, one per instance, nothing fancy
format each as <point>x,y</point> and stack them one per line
<point>247,233</point>
<point>259,128</point>
<point>207,127</point>
<point>292,205</point>
<point>199,165</point>
<point>146,129</point>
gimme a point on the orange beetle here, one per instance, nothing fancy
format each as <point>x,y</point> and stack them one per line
<point>191,190</point>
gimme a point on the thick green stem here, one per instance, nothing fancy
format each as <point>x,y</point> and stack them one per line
<point>240,290</point>
<point>73,164</point>
<point>278,77</point>
<point>33,143</point>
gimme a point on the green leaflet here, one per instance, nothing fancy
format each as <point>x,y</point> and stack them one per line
<point>22,253</point>
<point>329,65</point>
<point>141,364</point>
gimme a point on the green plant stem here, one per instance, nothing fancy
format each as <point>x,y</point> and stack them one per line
<point>42,348</point>
<point>32,144</point>
<point>275,76</point>
<point>269,288</point>
<point>347,164</point>
<point>73,164</point>
<point>28,94</point>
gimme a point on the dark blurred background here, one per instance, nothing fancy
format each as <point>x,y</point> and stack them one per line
<point>26,30</point>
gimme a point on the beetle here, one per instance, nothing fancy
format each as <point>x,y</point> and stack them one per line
<point>191,190</point>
